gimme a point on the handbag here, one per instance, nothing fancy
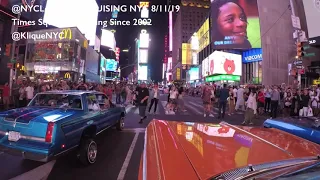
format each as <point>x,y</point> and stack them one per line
<point>310,113</point>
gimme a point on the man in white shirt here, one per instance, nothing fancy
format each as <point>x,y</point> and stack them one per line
<point>240,99</point>
<point>235,90</point>
<point>29,92</point>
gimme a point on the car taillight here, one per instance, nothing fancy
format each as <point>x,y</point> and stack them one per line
<point>49,132</point>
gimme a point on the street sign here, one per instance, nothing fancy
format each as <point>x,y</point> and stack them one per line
<point>295,22</point>
<point>13,60</point>
<point>10,65</point>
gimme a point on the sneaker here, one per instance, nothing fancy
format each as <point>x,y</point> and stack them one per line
<point>204,115</point>
<point>211,115</point>
<point>243,123</point>
<point>251,123</point>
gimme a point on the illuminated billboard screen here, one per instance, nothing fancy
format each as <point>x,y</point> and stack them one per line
<point>186,54</point>
<point>143,56</point>
<point>107,39</point>
<point>235,24</point>
<point>224,63</point>
<point>143,73</point>
<point>194,73</point>
<point>203,35</point>
<point>111,65</point>
<point>67,13</point>
<point>144,39</point>
<point>205,67</point>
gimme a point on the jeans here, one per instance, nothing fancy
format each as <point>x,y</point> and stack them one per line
<point>118,98</point>
<point>155,101</point>
<point>222,105</point>
<point>274,108</point>
<point>267,105</point>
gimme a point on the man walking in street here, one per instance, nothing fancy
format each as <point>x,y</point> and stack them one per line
<point>224,94</point>
<point>275,101</point>
<point>142,98</point>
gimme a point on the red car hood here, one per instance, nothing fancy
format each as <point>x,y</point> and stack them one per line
<point>179,150</point>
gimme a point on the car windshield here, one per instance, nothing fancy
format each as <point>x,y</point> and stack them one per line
<point>57,101</point>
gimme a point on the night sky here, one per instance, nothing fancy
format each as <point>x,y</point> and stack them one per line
<point>125,36</point>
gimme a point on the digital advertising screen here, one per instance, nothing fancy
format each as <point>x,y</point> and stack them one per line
<point>194,73</point>
<point>143,56</point>
<point>107,39</point>
<point>143,73</point>
<point>111,65</point>
<point>186,54</point>
<point>235,24</point>
<point>225,63</point>
<point>205,67</point>
<point>70,13</point>
<point>144,39</point>
<point>203,35</point>
<point>252,55</point>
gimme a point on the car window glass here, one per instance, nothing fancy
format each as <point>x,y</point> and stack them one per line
<point>93,104</point>
<point>103,101</point>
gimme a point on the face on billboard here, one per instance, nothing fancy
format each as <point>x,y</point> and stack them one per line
<point>225,63</point>
<point>143,56</point>
<point>235,24</point>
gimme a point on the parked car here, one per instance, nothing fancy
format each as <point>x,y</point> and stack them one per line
<point>180,150</point>
<point>305,127</point>
<point>56,122</point>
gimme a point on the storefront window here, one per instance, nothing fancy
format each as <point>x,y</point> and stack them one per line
<point>50,51</point>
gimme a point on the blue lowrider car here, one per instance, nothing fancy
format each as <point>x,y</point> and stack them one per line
<point>55,122</point>
<point>307,128</point>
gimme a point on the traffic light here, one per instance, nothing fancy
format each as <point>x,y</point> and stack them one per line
<point>8,50</point>
<point>300,49</point>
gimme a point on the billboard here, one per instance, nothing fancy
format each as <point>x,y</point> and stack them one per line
<point>225,63</point>
<point>67,13</point>
<point>111,65</point>
<point>143,55</point>
<point>203,35</point>
<point>312,11</point>
<point>235,24</point>
<point>143,73</point>
<point>252,55</point>
<point>186,54</point>
<point>205,67</point>
<point>107,39</point>
<point>194,73</point>
<point>144,39</point>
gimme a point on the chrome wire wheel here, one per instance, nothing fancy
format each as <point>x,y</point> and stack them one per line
<point>92,152</point>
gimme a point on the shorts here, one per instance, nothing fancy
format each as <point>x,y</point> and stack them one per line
<point>173,101</point>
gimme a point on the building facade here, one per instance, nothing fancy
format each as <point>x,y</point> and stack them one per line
<point>188,20</point>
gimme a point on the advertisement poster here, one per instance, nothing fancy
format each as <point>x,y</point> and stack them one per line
<point>225,63</point>
<point>205,67</point>
<point>203,35</point>
<point>186,53</point>
<point>235,25</point>
<point>252,55</point>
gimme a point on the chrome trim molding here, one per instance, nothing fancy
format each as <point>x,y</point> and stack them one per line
<point>144,165</point>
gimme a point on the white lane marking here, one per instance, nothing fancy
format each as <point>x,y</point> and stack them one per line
<point>190,107</point>
<point>136,130</point>
<point>41,172</point>
<point>128,158</point>
<point>128,108</point>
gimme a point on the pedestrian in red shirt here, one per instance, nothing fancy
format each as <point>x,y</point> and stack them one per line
<point>6,96</point>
